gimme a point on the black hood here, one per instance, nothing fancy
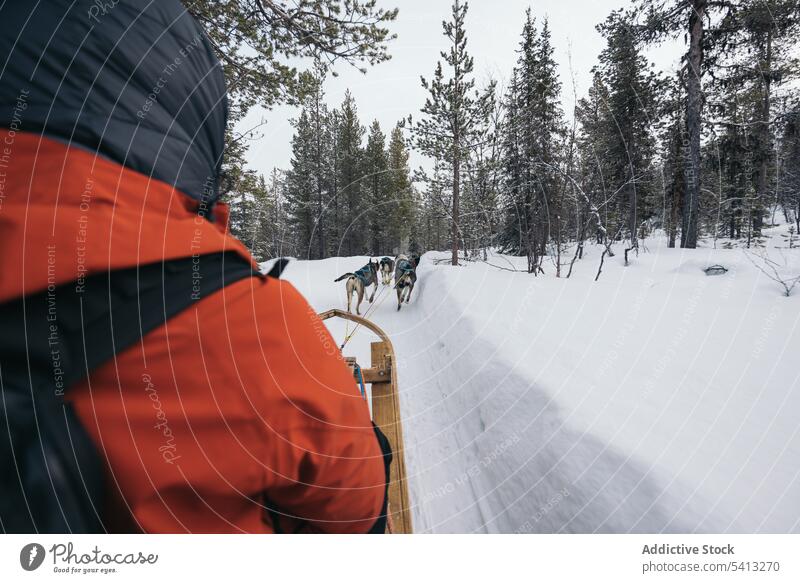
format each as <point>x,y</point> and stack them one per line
<point>135,80</point>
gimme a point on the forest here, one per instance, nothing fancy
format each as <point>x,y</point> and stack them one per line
<point>707,156</point>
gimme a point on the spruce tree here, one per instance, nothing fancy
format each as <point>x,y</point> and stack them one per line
<point>596,129</point>
<point>759,56</point>
<point>375,188</point>
<point>548,119</point>
<point>400,192</point>
<point>672,156</point>
<point>335,203</point>
<point>631,105</point>
<point>514,228</point>
<point>531,144</point>
<point>789,185</point>
<point>300,186</point>
<point>349,170</point>
<point>483,166</point>
<point>321,157</point>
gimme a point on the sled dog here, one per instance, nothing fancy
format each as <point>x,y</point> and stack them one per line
<point>405,276</point>
<point>359,281</point>
<point>387,267</point>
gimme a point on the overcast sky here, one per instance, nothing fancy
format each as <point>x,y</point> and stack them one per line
<point>392,90</point>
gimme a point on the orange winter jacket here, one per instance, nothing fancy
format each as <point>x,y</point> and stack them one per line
<point>234,416</point>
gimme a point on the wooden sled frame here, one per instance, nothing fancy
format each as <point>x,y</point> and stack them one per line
<point>382,376</point>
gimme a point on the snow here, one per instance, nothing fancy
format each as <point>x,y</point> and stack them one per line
<point>657,399</point>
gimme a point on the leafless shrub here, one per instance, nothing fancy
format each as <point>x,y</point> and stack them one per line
<point>774,270</point>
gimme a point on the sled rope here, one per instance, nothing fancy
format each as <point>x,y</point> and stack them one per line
<point>382,295</point>
<point>346,323</point>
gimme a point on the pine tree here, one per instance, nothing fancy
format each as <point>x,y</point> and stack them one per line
<point>375,188</point>
<point>760,56</point>
<point>447,126</point>
<point>261,226</point>
<point>596,129</point>
<point>349,158</point>
<point>280,243</point>
<point>532,147</point>
<point>666,19</point>
<point>549,133</point>
<point>672,155</point>
<point>532,205</point>
<point>515,224</point>
<point>732,168</point>
<point>254,40</point>
<point>483,166</point>
<point>400,192</point>
<point>789,185</point>
<point>631,109</point>
<point>335,206</point>
<point>301,186</point>
<point>340,197</point>
<point>321,156</point>
<point>244,208</point>
<point>434,215</point>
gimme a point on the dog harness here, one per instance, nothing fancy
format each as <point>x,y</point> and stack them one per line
<point>405,266</point>
<point>363,274</point>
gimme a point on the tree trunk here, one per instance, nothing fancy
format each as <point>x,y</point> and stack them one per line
<point>633,211</point>
<point>456,186</point>
<point>456,142</point>
<point>694,104</point>
<point>672,231</point>
<point>319,177</point>
<point>634,238</point>
<point>797,216</point>
<point>763,168</point>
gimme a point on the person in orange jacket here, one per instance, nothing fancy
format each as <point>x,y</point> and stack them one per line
<point>237,414</point>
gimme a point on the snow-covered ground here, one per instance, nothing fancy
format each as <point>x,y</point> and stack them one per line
<point>655,399</point>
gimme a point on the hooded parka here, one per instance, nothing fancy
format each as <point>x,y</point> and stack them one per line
<point>236,415</point>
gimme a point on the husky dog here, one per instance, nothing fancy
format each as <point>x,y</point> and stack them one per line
<point>360,281</point>
<point>405,276</point>
<point>387,266</point>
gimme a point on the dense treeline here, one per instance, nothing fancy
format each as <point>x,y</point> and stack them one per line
<point>710,151</point>
<point>262,45</point>
<point>348,190</point>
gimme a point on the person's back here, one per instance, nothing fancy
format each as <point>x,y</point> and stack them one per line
<point>235,415</point>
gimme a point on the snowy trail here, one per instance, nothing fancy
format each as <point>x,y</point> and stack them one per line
<point>475,463</point>
<point>497,456</point>
<point>531,405</point>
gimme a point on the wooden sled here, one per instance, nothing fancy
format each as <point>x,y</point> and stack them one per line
<point>382,376</point>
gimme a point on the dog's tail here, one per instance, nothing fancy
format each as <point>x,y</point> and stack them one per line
<point>345,276</point>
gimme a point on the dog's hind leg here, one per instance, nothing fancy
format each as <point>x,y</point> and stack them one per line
<point>349,287</point>
<point>372,297</point>
<point>360,292</point>
<point>410,289</point>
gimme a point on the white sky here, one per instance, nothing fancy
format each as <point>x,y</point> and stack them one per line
<point>392,90</point>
